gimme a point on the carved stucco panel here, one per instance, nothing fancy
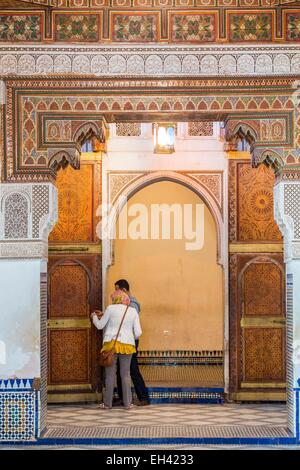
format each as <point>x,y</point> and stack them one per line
<point>136,60</point>
<point>118,181</point>
<point>213,183</point>
<point>44,64</point>
<point>16,216</point>
<point>28,212</point>
<point>21,250</point>
<point>287,216</point>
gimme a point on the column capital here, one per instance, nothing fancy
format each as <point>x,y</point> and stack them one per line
<point>28,212</point>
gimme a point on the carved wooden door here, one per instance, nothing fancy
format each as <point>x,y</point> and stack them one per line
<point>74,287</point>
<point>263,324</point>
<point>257,286</point>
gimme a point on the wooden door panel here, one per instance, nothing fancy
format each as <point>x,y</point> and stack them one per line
<point>69,325</point>
<point>254,216</point>
<point>263,289</point>
<point>68,291</point>
<point>263,354</point>
<point>74,290</point>
<point>75,205</point>
<point>262,321</point>
<point>69,356</point>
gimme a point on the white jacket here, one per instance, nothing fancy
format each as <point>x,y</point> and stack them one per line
<point>131,328</point>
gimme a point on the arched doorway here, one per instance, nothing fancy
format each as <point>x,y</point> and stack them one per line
<point>181,290</point>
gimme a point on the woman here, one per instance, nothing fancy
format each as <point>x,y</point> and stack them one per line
<point>124,346</point>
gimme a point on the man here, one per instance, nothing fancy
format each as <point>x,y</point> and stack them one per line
<point>136,376</point>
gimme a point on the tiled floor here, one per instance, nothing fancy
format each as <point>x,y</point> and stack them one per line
<point>165,421</point>
<point>156,415</point>
<point>228,420</point>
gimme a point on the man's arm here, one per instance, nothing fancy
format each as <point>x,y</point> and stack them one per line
<point>137,327</point>
<point>135,304</point>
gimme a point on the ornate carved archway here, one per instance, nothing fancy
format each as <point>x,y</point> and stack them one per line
<point>261,110</point>
<point>207,187</point>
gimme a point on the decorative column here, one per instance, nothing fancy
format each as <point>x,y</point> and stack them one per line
<point>28,212</point>
<point>287,216</point>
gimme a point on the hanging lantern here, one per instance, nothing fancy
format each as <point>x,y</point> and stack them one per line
<point>164,137</point>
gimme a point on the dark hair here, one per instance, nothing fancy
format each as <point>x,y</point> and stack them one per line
<point>123,284</point>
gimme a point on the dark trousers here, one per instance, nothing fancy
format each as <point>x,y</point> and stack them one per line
<point>136,377</point>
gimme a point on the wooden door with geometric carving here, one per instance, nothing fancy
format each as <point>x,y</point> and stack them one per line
<point>256,285</point>
<point>69,339</point>
<point>74,286</point>
<point>263,324</point>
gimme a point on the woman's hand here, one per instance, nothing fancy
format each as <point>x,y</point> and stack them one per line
<point>98,314</point>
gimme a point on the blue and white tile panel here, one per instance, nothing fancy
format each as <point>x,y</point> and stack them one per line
<point>19,410</point>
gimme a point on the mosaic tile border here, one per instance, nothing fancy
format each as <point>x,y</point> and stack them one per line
<point>180,357</point>
<point>185,395</point>
<point>16,384</point>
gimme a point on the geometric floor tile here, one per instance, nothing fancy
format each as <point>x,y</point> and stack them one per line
<point>226,420</point>
<point>219,415</point>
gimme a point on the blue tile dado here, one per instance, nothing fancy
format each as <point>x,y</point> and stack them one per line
<point>19,410</point>
<point>159,441</point>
